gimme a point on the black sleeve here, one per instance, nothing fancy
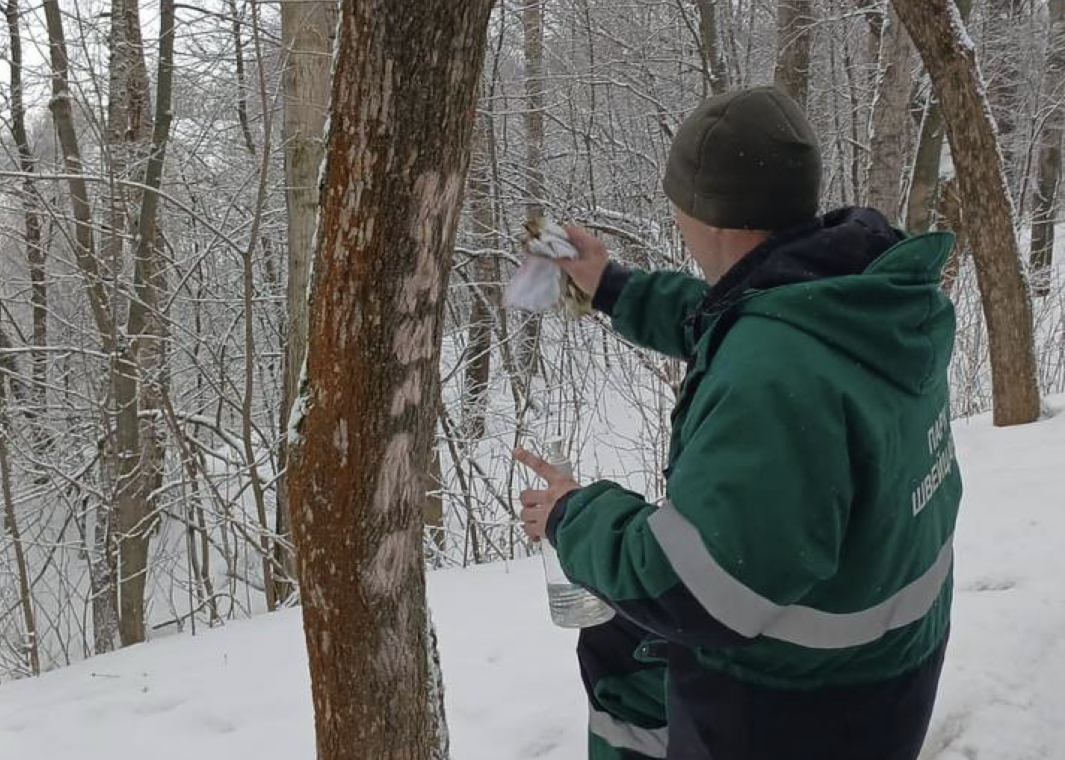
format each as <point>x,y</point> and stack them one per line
<point>610,285</point>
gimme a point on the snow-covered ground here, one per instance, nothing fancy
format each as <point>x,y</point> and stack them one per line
<point>512,688</point>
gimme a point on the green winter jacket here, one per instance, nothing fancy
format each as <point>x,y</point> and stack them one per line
<point>812,489</point>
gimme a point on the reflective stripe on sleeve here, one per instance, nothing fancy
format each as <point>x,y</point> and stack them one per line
<point>750,614</point>
<point>651,742</point>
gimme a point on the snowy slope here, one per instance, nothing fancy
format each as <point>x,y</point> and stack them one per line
<point>512,688</point>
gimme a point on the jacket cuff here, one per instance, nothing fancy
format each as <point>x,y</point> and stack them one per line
<point>610,286</point>
<point>558,514</point>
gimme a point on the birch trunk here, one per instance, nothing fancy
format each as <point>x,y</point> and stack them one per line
<point>396,158</point>
<point>939,35</point>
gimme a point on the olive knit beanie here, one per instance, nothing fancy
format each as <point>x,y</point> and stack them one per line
<point>747,159</point>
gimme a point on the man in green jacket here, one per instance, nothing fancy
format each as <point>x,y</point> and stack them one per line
<point>790,598</point>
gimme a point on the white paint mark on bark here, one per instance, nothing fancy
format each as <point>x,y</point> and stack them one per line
<point>413,340</point>
<point>397,475</point>
<point>408,393</point>
<point>383,576</point>
<point>435,206</point>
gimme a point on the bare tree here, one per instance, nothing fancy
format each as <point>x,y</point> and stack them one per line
<point>792,72</point>
<point>396,158</point>
<point>937,30</point>
<point>146,326</point>
<point>889,142</point>
<point>138,347</point>
<point>711,48</point>
<point>10,521</point>
<point>925,179</point>
<point>532,26</point>
<point>35,253</point>
<point>102,565</point>
<point>484,290</point>
<point>1003,80</point>
<point>1049,162</point>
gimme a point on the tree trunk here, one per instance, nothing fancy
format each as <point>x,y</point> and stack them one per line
<point>710,48</point>
<point>528,353</point>
<point>102,573</point>
<point>307,31</point>
<point>792,73</point>
<point>483,288</point>
<point>35,256</point>
<point>938,33</point>
<point>922,197</point>
<point>242,79</point>
<point>146,328</point>
<point>63,115</point>
<point>1046,195</point>
<point>1003,82</point>
<point>396,157</point>
<point>890,137</point>
<point>10,522</point>
<point>533,32</point>
<point>102,586</point>
<point>434,502</point>
<point>949,207</point>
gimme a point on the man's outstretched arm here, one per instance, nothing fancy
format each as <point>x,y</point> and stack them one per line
<point>647,308</point>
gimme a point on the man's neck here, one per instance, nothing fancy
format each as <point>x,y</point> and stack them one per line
<point>733,245</point>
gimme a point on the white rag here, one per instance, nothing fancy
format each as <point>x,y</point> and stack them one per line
<point>537,284</point>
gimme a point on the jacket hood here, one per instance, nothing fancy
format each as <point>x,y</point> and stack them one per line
<point>858,285</point>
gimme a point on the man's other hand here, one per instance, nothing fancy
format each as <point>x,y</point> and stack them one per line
<point>537,505</point>
<point>587,270</point>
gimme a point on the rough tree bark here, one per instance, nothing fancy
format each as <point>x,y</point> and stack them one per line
<point>889,141</point>
<point>792,72</point>
<point>922,197</point>
<point>361,430</point>
<point>938,32</point>
<point>1049,163</point>
<point>307,31</point>
<point>950,209</point>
